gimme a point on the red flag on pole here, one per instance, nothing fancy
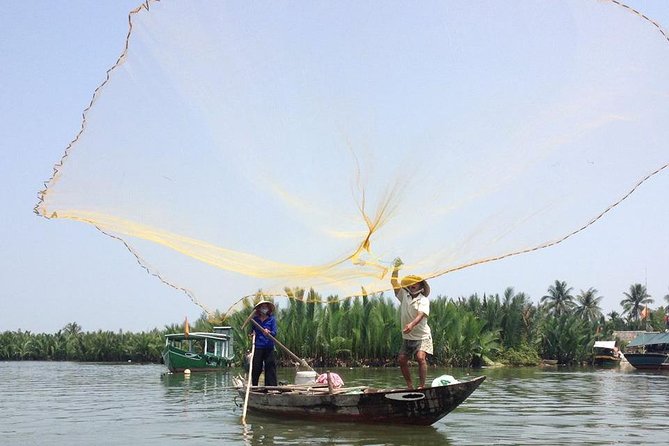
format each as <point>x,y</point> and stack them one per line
<point>645,313</point>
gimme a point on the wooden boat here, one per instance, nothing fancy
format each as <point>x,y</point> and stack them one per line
<point>198,351</point>
<point>360,404</point>
<point>549,362</point>
<point>648,361</point>
<point>606,353</point>
<point>649,351</point>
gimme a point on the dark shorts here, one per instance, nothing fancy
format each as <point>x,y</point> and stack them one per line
<point>409,347</point>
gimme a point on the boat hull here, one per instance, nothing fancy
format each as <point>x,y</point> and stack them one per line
<point>177,360</point>
<point>397,406</point>
<point>648,361</point>
<point>607,360</point>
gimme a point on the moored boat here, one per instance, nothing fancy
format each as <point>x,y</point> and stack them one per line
<point>648,361</point>
<point>649,351</point>
<point>198,351</point>
<point>360,404</point>
<point>606,353</point>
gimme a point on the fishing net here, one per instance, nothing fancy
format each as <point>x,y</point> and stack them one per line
<point>242,147</point>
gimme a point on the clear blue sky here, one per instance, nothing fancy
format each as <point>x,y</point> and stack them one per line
<point>55,272</point>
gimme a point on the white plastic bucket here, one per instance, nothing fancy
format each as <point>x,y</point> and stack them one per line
<point>444,380</point>
<point>308,377</point>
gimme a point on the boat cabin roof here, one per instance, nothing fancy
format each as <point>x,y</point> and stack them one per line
<point>649,339</point>
<point>197,335</point>
<point>605,344</point>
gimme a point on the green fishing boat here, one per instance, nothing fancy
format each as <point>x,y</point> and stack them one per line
<point>198,351</point>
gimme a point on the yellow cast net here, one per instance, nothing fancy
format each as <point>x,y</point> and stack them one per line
<point>241,146</point>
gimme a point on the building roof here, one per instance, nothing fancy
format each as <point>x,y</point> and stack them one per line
<point>627,335</point>
<point>649,339</point>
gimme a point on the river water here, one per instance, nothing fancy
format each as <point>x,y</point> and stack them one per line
<point>65,403</point>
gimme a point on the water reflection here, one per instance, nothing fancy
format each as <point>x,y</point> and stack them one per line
<point>271,431</point>
<point>119,404</point>
<point>211,395</point>
<point>198,381</point>
<point>567,406</point>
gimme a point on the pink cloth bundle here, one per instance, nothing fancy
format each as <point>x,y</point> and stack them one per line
<point>334,378</point>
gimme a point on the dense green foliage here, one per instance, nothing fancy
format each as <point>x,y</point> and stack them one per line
<point>467,332</point>
<point>71,344</point>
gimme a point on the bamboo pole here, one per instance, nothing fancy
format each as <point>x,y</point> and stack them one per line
<point>248,318</point>
<point>329,383</point>
<point>292,355</point>
<point>248,380</point>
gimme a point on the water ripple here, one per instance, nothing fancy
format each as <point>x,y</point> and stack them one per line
<point>115,404</point>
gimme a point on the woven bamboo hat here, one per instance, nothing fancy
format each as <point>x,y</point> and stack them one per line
<point>263,302</point>
<point>411,280</point>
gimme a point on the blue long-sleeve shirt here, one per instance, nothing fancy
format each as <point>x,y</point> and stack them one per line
<point>263,341</point>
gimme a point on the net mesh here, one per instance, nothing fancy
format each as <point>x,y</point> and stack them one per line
<point>239,149</point>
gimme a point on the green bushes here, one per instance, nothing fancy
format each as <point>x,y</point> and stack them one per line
<point>467,332</point>
<point>73,345</point>
<point>523,355</point>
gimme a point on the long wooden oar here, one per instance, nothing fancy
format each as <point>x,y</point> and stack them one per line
<point>301,361</point>
<point>248,380</point>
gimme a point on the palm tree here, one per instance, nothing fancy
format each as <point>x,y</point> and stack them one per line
<point>72,329</point>
<point>145,347</point>
<point>566,338</point>
<point>559,301</point>
<point>615,322</point>
<point>634,300</point>
<point>73,335</point>
<point>512,326</point>
<point>588,305</point>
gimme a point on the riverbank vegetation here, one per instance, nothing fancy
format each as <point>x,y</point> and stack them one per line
<point>508,329</point>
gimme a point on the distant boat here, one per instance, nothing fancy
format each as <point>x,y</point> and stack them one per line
<point>198,351</point>
<point>606,353</point>
<point>649,351</point>
<point>549,362</point>
<point>360,404</point>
